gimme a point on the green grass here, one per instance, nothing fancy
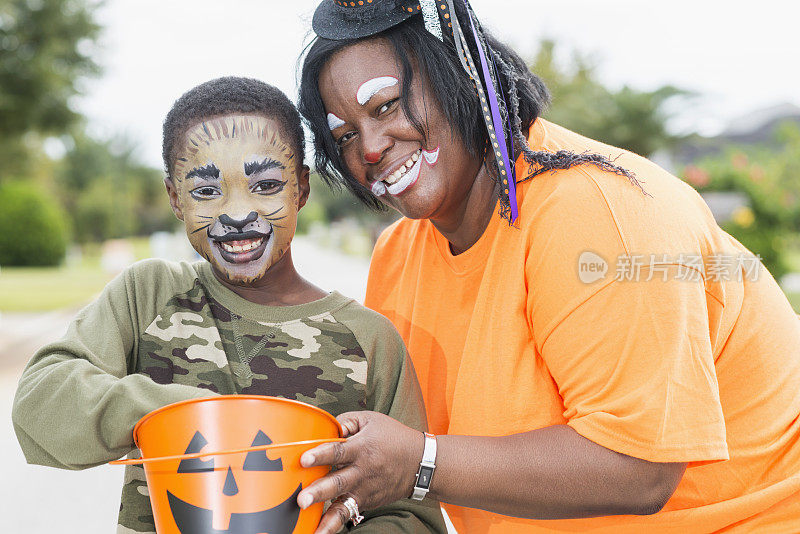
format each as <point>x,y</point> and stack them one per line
<point>32,289</point>
<point>29,289</point>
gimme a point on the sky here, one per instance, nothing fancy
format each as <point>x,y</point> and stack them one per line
<point>740,56</point>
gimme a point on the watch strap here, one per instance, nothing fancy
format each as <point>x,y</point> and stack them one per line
<point>427,466</point>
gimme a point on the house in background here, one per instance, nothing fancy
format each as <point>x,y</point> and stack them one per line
<point>755,128</point>
<point>758,127</point>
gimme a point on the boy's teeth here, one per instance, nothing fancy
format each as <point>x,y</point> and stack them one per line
<point>245,246</point>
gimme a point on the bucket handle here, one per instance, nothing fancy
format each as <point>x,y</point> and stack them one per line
<point>137,461</point>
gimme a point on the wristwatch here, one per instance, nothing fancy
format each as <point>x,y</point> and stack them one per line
<point>426,468</point>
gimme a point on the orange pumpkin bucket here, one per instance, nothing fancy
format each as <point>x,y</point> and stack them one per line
<point>231,464</point>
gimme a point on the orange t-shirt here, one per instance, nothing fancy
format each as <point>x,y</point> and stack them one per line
<point>655,357</point>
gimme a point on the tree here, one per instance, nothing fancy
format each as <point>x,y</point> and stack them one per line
<point>327,205</point>
<point>108,193</point>
<point>627,118</point>
<point>770,180</point>
<point>45,48</point>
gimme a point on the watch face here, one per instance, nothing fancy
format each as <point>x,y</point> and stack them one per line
<point>424,478</point>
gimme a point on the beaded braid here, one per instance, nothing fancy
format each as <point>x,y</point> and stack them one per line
<point>543,161</point>
<point>513,97</point>
<point>539,161</point>
<point>482,66</point>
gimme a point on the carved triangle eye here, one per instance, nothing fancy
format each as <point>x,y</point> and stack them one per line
<point>196,465</point>
<point>257,460</point>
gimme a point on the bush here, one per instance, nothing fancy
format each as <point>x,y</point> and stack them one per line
<point>770,179</point>
<point>33,229</point>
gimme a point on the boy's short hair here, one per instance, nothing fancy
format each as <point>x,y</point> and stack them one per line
<point>226,95</point>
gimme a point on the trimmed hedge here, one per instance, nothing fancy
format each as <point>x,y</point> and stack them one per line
<point>33,228</point>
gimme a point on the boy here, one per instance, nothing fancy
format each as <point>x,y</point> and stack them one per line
<point>243,321</point>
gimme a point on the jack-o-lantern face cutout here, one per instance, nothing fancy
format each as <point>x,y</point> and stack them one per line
<point>225,498</point>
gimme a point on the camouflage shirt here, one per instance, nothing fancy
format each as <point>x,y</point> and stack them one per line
<point>164,332</point>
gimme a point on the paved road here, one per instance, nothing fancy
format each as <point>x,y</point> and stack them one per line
<point>44,500</point>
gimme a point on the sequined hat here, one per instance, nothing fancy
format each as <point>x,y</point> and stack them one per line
<point>352,19</point>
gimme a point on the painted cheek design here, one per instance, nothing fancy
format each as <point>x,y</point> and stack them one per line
<point>368,89</point>
<point>378,188</point>
<point>431,156</point>
<point>334,121</point>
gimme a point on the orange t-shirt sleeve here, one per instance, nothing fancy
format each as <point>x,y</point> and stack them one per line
<point>632,360</point>
<point>636,372</point>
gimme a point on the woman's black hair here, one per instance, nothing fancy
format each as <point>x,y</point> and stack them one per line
<point>418,50</point>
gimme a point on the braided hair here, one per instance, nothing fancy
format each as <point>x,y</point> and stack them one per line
<point>524,98</point>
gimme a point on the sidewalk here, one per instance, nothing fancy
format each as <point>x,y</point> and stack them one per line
<point>22,333</point>
<point>40,500</point>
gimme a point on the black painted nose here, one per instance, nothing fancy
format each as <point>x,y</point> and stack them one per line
<point>238,224</point>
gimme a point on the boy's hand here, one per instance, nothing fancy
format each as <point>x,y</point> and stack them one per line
<point>376,465</point>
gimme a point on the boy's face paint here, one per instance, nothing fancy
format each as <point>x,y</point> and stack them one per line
<point>237,189</point>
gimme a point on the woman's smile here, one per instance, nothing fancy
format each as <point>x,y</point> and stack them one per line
<point>404,175</point>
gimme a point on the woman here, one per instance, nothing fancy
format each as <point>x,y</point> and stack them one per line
<point>581,368</point>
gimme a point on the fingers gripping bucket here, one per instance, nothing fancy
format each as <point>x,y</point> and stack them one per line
<point>231,464</point>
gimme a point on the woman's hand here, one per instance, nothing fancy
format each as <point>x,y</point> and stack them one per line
<point>377,465</point>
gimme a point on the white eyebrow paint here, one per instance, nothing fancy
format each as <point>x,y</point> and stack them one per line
<point>334,121</point>
<point>368,89</point>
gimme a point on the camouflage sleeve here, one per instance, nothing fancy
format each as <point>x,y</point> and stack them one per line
<point>393,389</point>
<point>76,405</point>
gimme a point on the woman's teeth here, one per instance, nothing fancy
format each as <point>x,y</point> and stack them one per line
<point>396,175</point>
<point>241,246</point>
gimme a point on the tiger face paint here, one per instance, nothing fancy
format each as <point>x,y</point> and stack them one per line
<point>237,186</point>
